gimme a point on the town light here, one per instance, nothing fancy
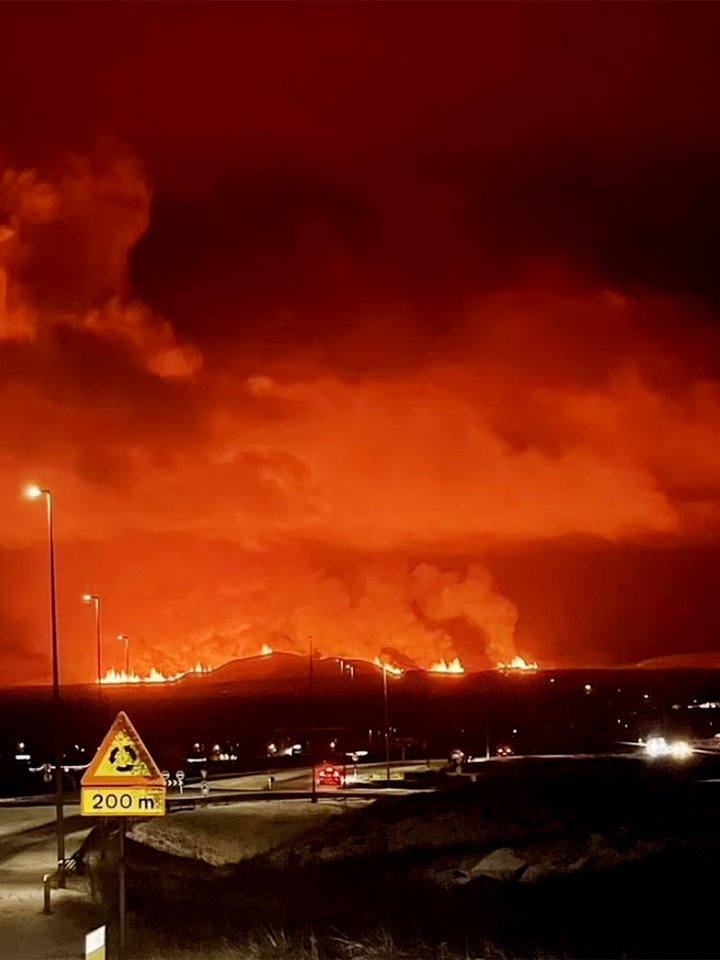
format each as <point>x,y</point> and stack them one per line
<point>680,750</point>
<point>656,747</point>
<point>33,492</point>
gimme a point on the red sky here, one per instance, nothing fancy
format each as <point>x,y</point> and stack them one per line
<point>393,324</point>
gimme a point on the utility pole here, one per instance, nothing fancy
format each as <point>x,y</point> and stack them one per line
<point>387,727</point>
<point>59,813</point>
<point>36,493</point>
<point>94,599</point>
<point>487,727</point>
<point>313,787</point>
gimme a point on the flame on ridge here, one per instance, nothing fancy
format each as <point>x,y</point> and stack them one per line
<point>443,666</point>
<point>155,676</point>
<point>519,663</point>
<point>383,664</point>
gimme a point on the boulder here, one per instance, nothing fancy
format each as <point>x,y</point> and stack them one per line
<point>545,870</point>
<point>501,864</point>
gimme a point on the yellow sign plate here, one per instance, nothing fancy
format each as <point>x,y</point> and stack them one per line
<point>122,801</point>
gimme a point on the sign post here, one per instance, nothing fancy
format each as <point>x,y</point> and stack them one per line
<point>122,781</point>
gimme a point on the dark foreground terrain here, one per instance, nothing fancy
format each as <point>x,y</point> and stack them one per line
<point>575,858</point>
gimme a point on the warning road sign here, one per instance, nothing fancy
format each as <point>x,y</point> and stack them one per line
<point>122,759</point>
<point>123,780</point>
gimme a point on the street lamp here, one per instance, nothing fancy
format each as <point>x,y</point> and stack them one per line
<point>123,638</point>
<point>95,600</point>
<point>387,728</point>
<point>313,787</point>
<point>36,493</point>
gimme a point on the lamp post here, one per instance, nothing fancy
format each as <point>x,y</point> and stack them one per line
<point>313,788</point>
<point>387,727</point>
<point>485,712</point>
<point>35,493</point>
<point>94,599</point>
<point>126,640</point>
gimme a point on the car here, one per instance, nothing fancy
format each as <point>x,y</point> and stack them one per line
<point>504,750</point>
<point>329,776</point>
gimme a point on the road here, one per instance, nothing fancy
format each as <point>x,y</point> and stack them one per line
<point>299,779</point>
<point>27,851</point>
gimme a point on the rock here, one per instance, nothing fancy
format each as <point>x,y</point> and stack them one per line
<point>451,878</point>
<point>501,864</point>
<point>546,870</point>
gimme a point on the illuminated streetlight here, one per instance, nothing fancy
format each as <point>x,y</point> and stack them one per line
<point>387,728</point>
<point>95,600</point>
<point>313,788</point>
<point>126,640</point>
<point>33,492</point>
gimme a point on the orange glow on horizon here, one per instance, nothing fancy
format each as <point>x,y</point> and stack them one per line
<point>452,667</point>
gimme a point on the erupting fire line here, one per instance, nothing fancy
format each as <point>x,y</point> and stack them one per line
<point>395,671</point>
<point>155,676</point>
<point>519,663</point>
<point>442,666</point>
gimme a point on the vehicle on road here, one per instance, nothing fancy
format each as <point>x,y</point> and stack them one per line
<point>329,776</point>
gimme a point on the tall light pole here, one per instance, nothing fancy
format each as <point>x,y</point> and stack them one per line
<point>94,599</point>
<point>487,722</point>
<point>313,788</point>
<point>35,493</point>
<point>387,727</point>
<point>126,640</point>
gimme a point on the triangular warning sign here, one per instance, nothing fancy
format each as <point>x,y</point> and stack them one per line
<point>122,759</point>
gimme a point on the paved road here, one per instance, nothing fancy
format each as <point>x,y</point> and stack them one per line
<point>27,851</point>
<point>299,778</point>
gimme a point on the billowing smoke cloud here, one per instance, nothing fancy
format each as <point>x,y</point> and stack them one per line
<point>64,243</point>
<point>377,607</point>
<point>544,410</point>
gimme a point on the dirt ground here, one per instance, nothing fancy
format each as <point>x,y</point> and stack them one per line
<point>229,834</point>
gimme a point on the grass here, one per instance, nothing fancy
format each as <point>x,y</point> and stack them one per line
<point>277,944</point>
